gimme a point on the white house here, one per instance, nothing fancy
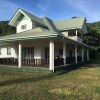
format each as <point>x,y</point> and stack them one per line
<point>41,42</point>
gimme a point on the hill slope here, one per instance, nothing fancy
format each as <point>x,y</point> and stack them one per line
<point>95,25</point>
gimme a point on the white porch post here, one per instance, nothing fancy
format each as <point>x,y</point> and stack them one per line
<point>51,55</point>
<point>76,32</point>
<point>76,54</point>
<point>82,54</point>
<point>87,55</point>
<point>19,55</point>
<point>64,53</point>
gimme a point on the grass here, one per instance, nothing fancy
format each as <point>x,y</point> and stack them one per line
<point>80,84</point>
<point>28,69</point>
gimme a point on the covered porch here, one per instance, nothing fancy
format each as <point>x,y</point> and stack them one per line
<point>46,53</point>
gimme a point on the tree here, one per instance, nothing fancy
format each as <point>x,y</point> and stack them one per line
<point>0,31</point>
<point>5,29</point>
<point>92,38</point>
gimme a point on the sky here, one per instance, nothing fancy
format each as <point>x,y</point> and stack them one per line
<point>53,9</point>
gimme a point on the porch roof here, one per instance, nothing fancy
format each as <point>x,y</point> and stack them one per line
<point>38,34</point>
<point>27,35</point>
<point>68,40</point>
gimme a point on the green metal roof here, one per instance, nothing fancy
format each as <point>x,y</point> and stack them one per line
<point>33,17</point>
<point>54,28</point>
<point>50,24</point>
<point>30,34</point>
<point>73,23</point>
<point>29,15</point>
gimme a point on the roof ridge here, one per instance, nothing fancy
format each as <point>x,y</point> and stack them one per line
<point>70,19</point>
<point>29,13</point>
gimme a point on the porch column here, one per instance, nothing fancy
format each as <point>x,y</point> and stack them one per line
<point>64,53</point>
<point>82,54</point>
<point>19,55</point>
<point>76,32</point>
<point>51,55</point>
<point>76,54</point>
<point>87,55</point>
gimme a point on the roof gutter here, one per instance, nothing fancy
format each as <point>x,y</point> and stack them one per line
<point>75,42</point>
<point>29,38</point>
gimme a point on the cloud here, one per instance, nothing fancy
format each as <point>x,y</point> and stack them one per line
<point>42,7</point>
<point>87,7</point>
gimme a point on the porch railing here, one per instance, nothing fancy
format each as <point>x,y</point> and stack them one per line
<point>35,62</point>
<point>25,62</point>
<point>58,61</point>
<point>9,61</point>
<point>70,60</point>
<point>38,62</point>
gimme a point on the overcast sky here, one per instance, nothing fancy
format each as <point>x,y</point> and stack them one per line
<point>54,9</point>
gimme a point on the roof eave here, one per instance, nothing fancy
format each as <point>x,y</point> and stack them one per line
<point>70,28</point>
<point>29,38</point>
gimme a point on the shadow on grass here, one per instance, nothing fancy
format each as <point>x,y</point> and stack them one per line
<point>24,79</point>
<point>72,67</point>
<point>58,71</point>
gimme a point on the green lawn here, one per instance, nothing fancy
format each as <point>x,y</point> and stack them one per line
<point>80,84</point>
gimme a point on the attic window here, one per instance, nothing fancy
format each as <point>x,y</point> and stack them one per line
<point>23,27</point>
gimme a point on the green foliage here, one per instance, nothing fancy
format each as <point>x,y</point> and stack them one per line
<point>92,38</point>
<point>95,25</point>
<point>5,29</point>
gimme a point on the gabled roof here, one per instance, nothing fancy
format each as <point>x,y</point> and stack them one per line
<point>28,15</point>
<point>73,23</point>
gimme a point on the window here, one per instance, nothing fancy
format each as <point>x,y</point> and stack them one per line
<point>8,51</point>
<point>46,52</point>
<point>23,27</point>
<point>72,33</point>
<point>0,51</point>
<point>27,52</point>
